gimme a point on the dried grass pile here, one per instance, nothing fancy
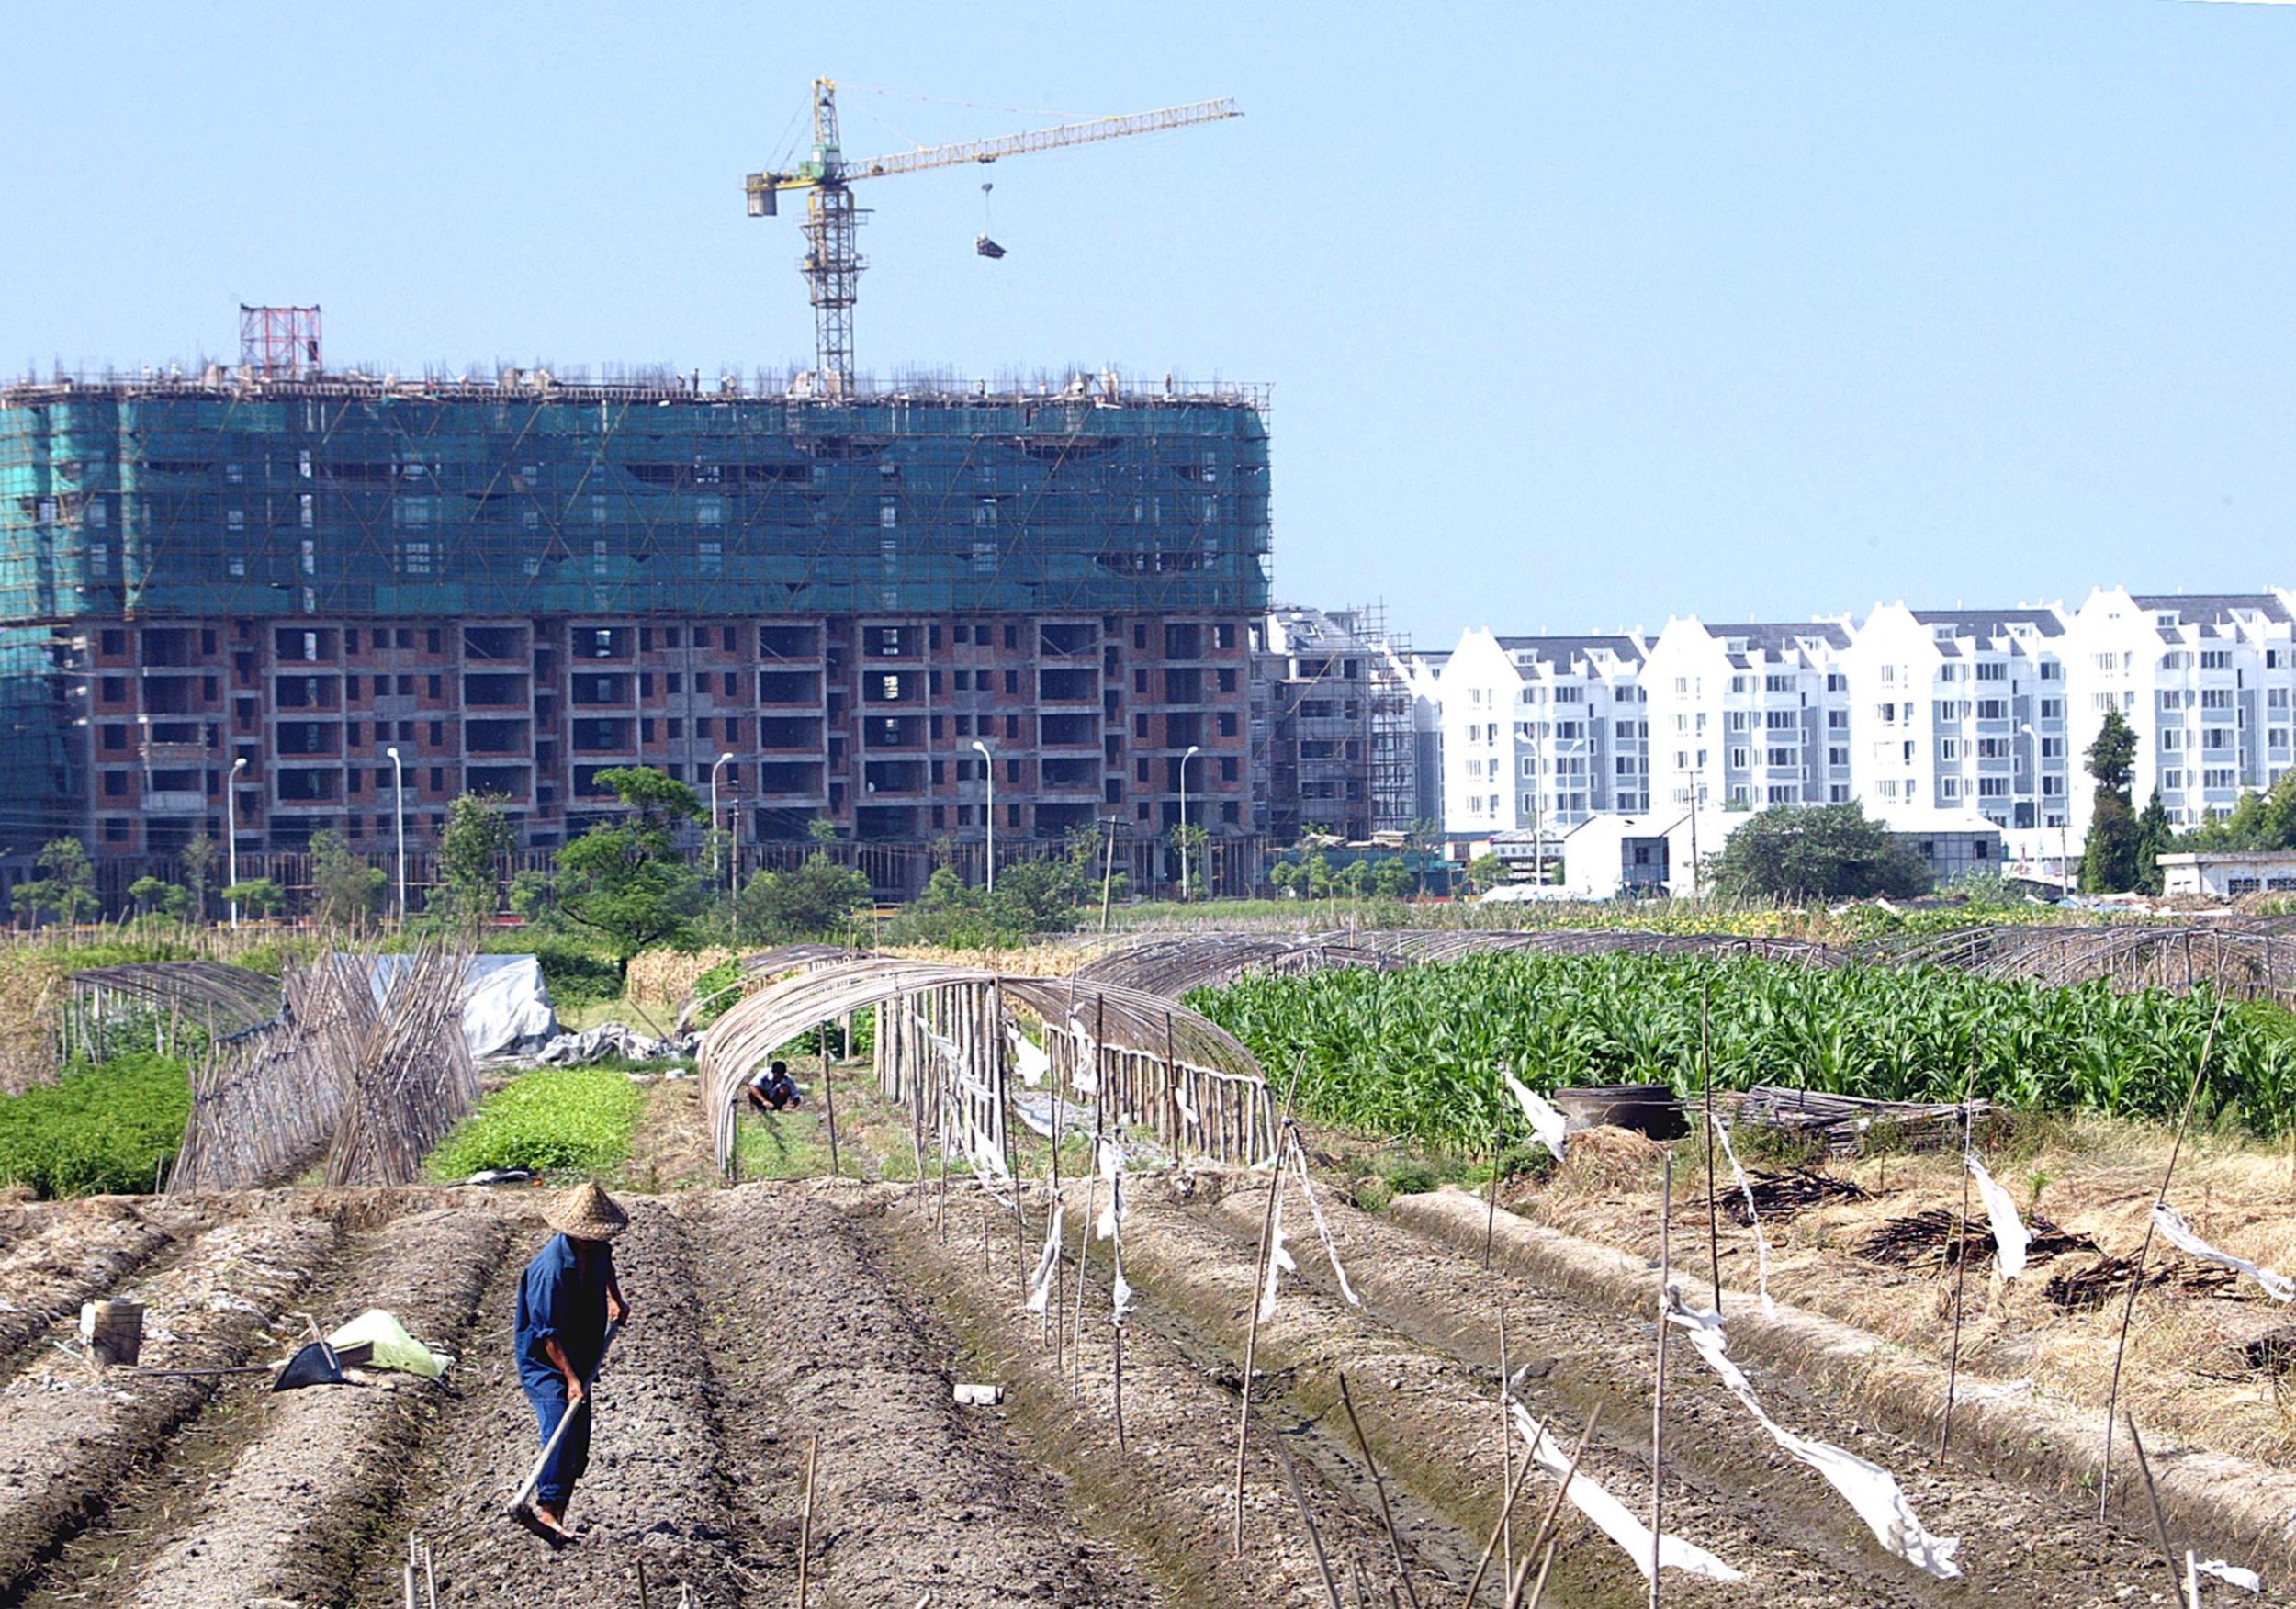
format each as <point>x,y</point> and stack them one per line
<point>665,977</point>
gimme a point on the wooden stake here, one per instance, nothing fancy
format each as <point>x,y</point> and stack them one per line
<point>1658,1399</point>
<point>1491,1211</point>
<point>1116,1331</point>
<point>2160,1521</point>
<point>1705,1064</point>
<point>2136,1279</point>
<point>805,1531</point>
<point>1545,1562</point>
<point>1553,1512</point>
<point>644,1599</point>
<point>1378,1485</point>
<point>1307,1520</point>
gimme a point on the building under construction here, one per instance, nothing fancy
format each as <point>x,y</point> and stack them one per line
<point>225,599</point>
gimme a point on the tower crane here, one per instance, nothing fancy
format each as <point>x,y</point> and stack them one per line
<point>832,263</point>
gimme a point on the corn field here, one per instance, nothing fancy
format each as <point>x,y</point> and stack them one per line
<point>1416,1050</point>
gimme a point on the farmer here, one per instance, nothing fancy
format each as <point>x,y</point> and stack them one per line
<point>774,1089</point>
<point>566,1299</point>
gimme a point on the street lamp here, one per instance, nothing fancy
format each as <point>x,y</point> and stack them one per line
<point>230,830</point>
<point>1193,750</point>
<point>717,866</point>
<point>988,769</point>
<point>399,814</point>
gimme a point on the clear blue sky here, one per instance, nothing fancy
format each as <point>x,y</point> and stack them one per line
<point>1576,314</point>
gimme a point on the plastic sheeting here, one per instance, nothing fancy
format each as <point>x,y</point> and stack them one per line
<point>506,1005</point>
<point>394,1348</point>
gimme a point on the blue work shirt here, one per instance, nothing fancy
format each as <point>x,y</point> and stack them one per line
<point>557,1298</point>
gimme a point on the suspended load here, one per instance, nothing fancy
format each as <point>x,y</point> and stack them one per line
<point>986,247</point>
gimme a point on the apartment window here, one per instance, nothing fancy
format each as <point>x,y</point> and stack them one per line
<point>2052,709</point>
<point>1777,684</point>
<point>2216,698</point>
<point>1949,750</point>
<point>2218,779</point>
<point>1739,759</point>
<point>1778,759</point>
<point>2216,659</point>
<point>1993,670</point>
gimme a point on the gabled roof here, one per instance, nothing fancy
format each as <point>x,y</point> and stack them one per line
<point>1993,622</point>
<point>1574,647</point>
<point>2214,608</point>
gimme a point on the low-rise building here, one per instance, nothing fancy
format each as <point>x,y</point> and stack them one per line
<point>2229,873</point>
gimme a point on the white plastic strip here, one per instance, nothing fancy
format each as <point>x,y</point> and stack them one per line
<point>2240,1576</point>
<point>1048,1264</point>
<point>1111,1160</point>
<point>1323,1229</point>
<point>1868,1487</point>
<point>1181,1099</point>
<point>2009,1239</point>
<point>1611,1516</point>
<point>1548,1125</point>
<point>1086,1076</point>
<point>1761,1241</point>
<point>1279,1255</point>
<point>2170,1223</point>
<point>1031,1058</point>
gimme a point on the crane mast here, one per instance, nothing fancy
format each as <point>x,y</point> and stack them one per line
<point>832,263</point>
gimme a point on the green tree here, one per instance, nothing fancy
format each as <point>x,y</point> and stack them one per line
<point>2109,854</point>
<point>155,896</point>
<point>2258,821</point>
<point>477,839</point>
<point>1485,872</point>
<point>821,829</point>
<point>2154,837</point>
<point>1284,877</point>
<point>199,873</point>
<point>257,898</point>
<point>627,882</point>
<point>817,900</point>
<point>1355,880</point>
<point>1392,880</point>
<point>1819,851</point>
<point>67,889</point>
<point>345,890</point>
<point>1188,841</point>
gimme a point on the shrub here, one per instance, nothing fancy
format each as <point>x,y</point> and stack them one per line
<point>1411,1178</point>
<point>102,1129</point>
<point>575,976</point>
<point>578,1119</point>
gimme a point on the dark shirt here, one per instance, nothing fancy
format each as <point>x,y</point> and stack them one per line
<point>560,1299</point>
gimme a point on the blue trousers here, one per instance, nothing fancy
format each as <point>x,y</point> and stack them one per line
<point>567,1465</point>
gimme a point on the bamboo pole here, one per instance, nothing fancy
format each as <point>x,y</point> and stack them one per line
<point>828,1100</point>
<point>1705,1064</point>
<point>1252,1333</point>
<point>1553,1513</point>
<point>805,1531</point>
<point>1511,1494</point>
<point>1378,1485</point>
<point>1506,1441</point>
<point>1961,1258</point>
<point>1658,1399</point>
<point>2160,1521</point>
<point>1306,1522</point>
<point>2136,1278</point>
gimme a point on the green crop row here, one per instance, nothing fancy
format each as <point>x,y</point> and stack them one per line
<point>108,1130</point>
<point>1417,1050</point>
<point>572,1118</point>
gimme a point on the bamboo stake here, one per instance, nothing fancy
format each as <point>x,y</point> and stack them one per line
<point>828,1100</point>
<point>1378,1485</point>
<point>1117,1334</point>
<point>2191,1580</point>
<point>2160,1521</point>
<point>1547,1520</point>
<point>1513,1492</point>
<point>804,1532</point>
<point>1506,1442</point>
<point>1961,1258</point>
<point>644,1599</point>
<point>2136,1279</point>
<point>1658,1399</point>
<point>1491,1209</point>
<point>1259,1281</point>
<point>1539,1592</point>
<point>1307,1520</point>
<point>1705,1064</point>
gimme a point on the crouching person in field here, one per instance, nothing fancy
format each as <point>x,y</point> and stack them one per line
<point>565,1300</point>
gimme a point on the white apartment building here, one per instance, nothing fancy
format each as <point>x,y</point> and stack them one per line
<point>1961,710</point>
<point>1539,733</point>
<point>1748,715</point>
<point>2206,682</point>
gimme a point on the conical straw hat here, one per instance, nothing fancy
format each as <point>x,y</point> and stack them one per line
<point>587,1213</point>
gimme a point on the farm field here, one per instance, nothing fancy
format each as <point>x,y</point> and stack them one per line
<point>770,1313</point>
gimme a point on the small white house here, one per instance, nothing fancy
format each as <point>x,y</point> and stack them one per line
<point>2228,874</point>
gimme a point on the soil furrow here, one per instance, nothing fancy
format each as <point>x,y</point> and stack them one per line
<point>1583,1352</point>
<point>1166,1495</point>
<point>656,1485</point>
<point>915,1497</point>
<point>68,1436</point>
<point>79,1255</point>
<point>302,1501</point>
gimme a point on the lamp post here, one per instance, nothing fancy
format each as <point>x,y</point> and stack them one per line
<point>399,813</point>
<point>230,830</point>
<point>1193,750</point>
<point>988,769</point>
<point>716,859</point>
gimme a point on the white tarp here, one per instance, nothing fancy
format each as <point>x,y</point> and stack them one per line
<point>2170,1223</point>
<point>1611,1516</point>
<point>1548,1125</point>
<point>2009,1238</point>
<point>506,1006</point>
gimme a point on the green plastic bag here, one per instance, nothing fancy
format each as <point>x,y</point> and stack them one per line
<point>394,1348</point>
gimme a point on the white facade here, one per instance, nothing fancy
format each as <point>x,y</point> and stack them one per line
<point>1988,711</point>
<point>1748,715</point>
<point>2206,682</point>
<point>1539,733</point>
<point>2229,873</point>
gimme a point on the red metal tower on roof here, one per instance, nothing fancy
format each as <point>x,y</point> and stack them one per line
<point>282,342</point>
